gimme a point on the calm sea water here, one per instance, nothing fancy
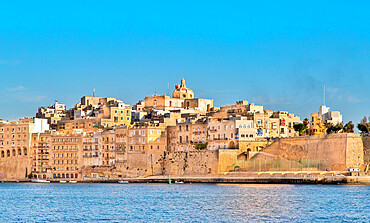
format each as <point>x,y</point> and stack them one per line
<point>183,203</point>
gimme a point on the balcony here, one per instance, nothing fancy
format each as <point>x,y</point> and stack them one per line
<point>220,139</point>
<point>90,156</point>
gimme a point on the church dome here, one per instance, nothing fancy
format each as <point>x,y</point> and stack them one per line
<point>182,92</point>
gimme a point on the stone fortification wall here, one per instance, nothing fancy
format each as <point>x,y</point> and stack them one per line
<point>166,163</point>
<point>366,143</point>
<point>227,159</point>
<point>327,152</point>
<point>191,163</point>
<point>14,168</point>
<point>139,164</point>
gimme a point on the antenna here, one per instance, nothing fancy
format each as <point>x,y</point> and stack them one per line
<point>323,97</point>
<point>93,92</point>
<point>168,88</point>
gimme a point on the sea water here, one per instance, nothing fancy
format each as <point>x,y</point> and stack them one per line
<point>26,202</point>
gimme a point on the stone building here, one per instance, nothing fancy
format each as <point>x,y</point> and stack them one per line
<point>53,113</point>
<point>287,121</point>
<point>78,126</point>
<point>57,155</point>
<point>186,135</point>
<point>92,149</point>
<point>222,134</point>
<point>15,147</point>
<point>108,148</point>
<point>317,126</point>
<point>182,99</point>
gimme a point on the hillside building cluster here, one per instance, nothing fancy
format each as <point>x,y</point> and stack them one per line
<point>107,137</point>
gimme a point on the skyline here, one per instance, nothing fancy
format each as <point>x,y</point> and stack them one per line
<point>275,55</point>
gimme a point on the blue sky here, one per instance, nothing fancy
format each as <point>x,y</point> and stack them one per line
<point>271,53</point>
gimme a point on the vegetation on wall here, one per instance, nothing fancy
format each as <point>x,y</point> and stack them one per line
<point>201,146</point>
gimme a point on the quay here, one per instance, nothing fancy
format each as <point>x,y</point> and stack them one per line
<point>246,178</point>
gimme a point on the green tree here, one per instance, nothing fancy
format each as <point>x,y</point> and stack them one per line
<point>306,122</point>
<point>349,127</point>
<point>363,127</point>
<point>299,127</point>
<point>334,128</point>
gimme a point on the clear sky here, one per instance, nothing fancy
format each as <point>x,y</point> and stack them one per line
<point>275,53</point>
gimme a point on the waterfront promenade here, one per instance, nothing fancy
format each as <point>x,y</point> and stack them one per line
<point>244,178</point>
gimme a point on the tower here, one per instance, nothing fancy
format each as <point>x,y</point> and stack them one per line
<point>323,96</point>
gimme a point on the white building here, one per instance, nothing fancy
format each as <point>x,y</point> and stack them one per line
<point>333,117</point>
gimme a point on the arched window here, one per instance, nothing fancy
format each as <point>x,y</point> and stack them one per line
<point>187,139</point>
<point>67,176</point>
<point>63,176</point>
<point>13,152</point>
<point>2,154</point>
<point>20,152</point>
<point>180,139</point>
<point>58,175</point>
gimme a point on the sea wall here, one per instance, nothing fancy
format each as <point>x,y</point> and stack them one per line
<point>14,168</point>
<point>193,163</point>
<point>334,152</point>
<point>366,144</point>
